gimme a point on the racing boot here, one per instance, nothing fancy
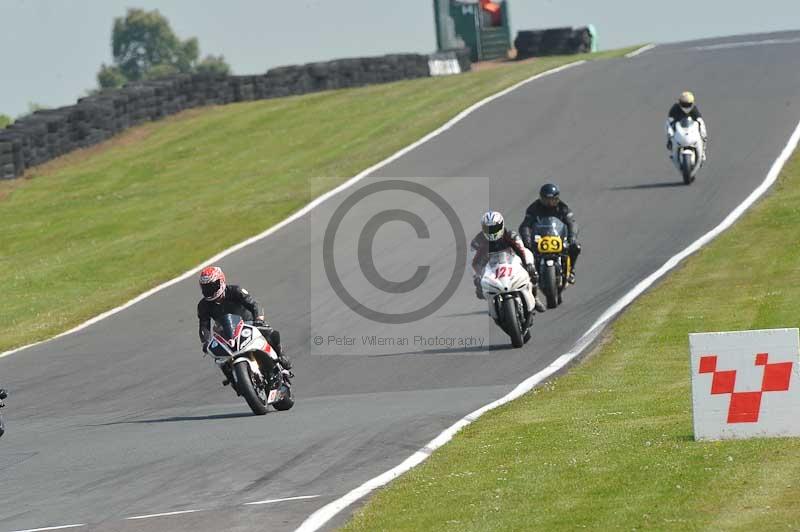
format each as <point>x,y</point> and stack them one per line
<point>3,393</point>
<point>282,358</point>
<point>274,339</point>
<point>571,276</point>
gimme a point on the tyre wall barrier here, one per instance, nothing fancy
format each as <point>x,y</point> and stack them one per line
<point>555,41</point>
<point>44,135</point>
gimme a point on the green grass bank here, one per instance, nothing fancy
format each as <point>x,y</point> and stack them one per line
<point>609,446</point>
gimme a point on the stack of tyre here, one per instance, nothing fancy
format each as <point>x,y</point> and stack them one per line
<point>555,41</point>
<point>44,135</point>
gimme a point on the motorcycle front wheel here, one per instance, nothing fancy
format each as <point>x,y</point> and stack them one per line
<point>686,169</point>
<point>247,388</point>
<point>513,325</point>
<point>549,286</point>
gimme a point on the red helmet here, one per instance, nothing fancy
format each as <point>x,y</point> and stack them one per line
<point>212,283</point>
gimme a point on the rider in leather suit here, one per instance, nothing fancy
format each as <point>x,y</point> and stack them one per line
<point>684,107</point>
<point>495,237</point>
<point>220,298</point>
<point>550,204</point>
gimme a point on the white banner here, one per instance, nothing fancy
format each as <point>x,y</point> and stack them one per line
<point>444,67</point>
<point>745,384</point>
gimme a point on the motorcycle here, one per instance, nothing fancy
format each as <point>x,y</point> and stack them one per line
<point>3,395</point>
<point>251,365</point>
<point>508,290</point>
<point>687,148</point>
<point>552,261</point>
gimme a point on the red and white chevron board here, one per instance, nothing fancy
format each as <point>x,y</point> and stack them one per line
<point>745,384</point>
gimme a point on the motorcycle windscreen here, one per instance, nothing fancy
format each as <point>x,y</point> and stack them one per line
<point>501,257</point>
<point>230,326</point>
<point>549,226</point>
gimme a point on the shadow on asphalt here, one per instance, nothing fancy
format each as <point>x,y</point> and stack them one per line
<point>177,419</point>
<point>462,314</point>
<point>670,184</point>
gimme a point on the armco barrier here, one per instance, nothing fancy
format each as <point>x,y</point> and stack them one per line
<point>44,135</point>
<point>556,41</point>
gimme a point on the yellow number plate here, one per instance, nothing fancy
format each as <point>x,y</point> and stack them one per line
<point>550,244</point>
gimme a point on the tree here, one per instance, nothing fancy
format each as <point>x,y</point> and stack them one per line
<point>144,47</point>
<point>5,120</point>
<point>36,106</point>
<point>160,71</point>
<point>110,77</point>
<point>213,65</point>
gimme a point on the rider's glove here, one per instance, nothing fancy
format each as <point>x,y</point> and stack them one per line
<point>532,273</point>
<point>259,323</point>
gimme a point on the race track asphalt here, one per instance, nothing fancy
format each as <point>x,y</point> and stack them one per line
<point>125,418</point>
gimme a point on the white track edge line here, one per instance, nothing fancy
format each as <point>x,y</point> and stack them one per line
<point>164,514</point>
<point>303,211</point>
<point>316,520</point>
<point>643,49</point>
<point>738,44</point>
<point>62,527</point>
<point>272,501</point>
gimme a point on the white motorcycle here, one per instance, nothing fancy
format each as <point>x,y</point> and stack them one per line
<point>251,365</point>
<point>688,148</point>
<point>508,290</point>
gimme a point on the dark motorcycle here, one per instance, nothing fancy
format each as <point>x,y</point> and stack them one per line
<point>244,355</point>
<point>550,244</point>
<point>3,395</point>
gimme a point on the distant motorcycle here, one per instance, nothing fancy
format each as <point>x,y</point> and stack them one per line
<point>552,261</point>
<point>687,148</point>
<point>3,395</point>
<point>508,290</point>
<point>255,373</point>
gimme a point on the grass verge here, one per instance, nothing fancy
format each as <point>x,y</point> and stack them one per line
<point>609,446</point>
<point>97,227</point>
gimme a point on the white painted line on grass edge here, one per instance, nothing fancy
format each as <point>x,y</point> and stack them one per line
<point>347,184</point>
<point>641,50</point>
<point>272,501</point>
<point>62,527</point>
<point>316,520</point>
<point>165,514</point>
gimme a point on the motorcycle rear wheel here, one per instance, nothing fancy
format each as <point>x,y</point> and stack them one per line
<point>287,402</point>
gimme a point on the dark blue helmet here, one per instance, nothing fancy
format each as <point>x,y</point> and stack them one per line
<point>549,194</point>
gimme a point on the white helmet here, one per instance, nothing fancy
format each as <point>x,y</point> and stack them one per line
<point>492,225</point>
<point>686,101</point>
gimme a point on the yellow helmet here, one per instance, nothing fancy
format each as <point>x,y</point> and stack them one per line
<point>686,101</point>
